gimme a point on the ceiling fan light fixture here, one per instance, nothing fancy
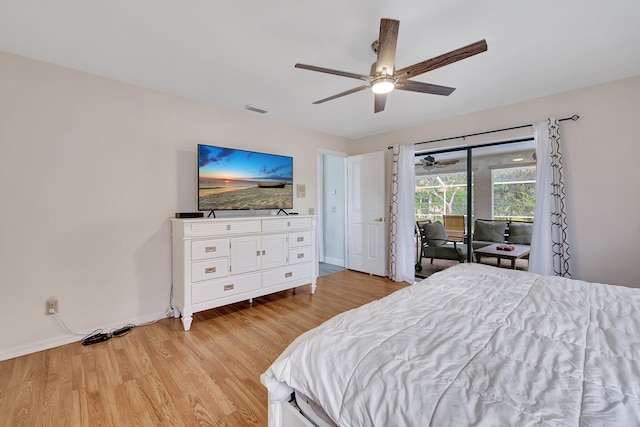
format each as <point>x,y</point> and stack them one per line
<point>383,76</point>
<point>383,85</point>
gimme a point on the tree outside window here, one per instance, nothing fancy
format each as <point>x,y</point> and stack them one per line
<point>514,193</point>
<point>438,195</point>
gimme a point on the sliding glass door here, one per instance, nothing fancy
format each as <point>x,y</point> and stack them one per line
<point>442,188</point>
<point>492,183</point>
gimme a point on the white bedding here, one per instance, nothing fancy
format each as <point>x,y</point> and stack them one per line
<point>475,345</point>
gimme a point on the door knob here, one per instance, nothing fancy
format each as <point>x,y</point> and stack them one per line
<point>379,219</point>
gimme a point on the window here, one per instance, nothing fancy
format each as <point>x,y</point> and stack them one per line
<point>514,193</point>
<point>438,195</point>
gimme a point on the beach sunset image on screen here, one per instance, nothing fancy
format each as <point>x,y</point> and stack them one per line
<point>229,178</point>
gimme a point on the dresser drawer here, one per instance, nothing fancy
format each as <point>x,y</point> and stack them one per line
<point>205,249</point>
<point>207,270</point>
<point>228,286</point>
<point>300,238</point>
<point>298,255</point>
<point>224,228</point>
<point>282,275</point>
<point>284,224</point>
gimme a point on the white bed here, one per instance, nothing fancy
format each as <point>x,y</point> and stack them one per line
<point>472,345</point>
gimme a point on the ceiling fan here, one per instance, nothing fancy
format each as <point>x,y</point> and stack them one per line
<point>383,77</point>
<point>429,162</point>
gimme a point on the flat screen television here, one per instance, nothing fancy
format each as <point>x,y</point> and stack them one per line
<point>231,179</point>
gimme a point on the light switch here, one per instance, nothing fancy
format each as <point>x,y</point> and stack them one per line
<point>301,191</point>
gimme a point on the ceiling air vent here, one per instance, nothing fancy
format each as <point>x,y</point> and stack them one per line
<point>255,108</point>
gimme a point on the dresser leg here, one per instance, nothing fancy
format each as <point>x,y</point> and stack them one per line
<point>176,313</point>
<point>186,322</point>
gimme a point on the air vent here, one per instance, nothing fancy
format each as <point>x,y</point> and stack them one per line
<point>255,108</point>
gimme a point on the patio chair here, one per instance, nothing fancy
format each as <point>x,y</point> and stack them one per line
<point>454,226</point>
<point>435,243</point>
<point>419,239</point>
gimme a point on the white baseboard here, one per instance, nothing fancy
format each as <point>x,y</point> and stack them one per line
<point>48,343</point>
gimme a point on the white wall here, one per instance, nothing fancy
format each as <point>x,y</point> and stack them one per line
<point>602,154</point>
<point>90,171</point>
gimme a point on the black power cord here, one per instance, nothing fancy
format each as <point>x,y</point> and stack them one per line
<point>95,338</point>
<point>98,336</point>
<point>122,331</point>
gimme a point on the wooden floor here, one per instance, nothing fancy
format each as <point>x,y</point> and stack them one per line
<point>160,375</point>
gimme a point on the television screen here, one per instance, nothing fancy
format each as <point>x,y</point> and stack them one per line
<point>236,179</point>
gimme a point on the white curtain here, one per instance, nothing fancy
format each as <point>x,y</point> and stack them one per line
<point>402,243</point>
<point>549,243</point>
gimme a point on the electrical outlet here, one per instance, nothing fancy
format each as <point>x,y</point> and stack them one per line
<point>52,303</point>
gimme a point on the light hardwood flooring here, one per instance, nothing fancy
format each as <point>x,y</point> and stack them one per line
<point>160,375</point>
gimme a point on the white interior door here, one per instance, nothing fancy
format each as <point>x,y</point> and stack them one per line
<point>366,213</point>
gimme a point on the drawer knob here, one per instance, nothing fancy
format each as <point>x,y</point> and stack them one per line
<point>301,255</point>
<point>288,274</point>
<point>300,239</point>
<point>210,270</point>
<point>228,287</point>
<point>210,249</point>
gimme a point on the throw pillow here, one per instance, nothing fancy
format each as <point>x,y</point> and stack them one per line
<point>489,231</point>
<point>435,234</point>
<point>520,233</point>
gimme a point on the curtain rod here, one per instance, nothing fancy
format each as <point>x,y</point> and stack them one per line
<point>574,118</point>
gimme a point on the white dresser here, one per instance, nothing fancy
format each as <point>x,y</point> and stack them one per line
<point>225,260</point>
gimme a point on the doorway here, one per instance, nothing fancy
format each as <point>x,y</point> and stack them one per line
<point>352,224</point>
<point>332,176</point>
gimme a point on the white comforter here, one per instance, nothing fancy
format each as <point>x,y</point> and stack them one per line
<point>475,345</point>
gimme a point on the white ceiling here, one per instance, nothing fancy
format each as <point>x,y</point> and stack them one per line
<point>238,52</point>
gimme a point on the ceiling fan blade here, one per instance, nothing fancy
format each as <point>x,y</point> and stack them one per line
<point>414,86</point>
<point>330,71</point>
<point>379,102</point>
<point>348,92</point>
<point>442,60</point>
<point>387,41</point>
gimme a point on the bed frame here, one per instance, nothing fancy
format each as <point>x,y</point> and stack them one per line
<point>285,414</point>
